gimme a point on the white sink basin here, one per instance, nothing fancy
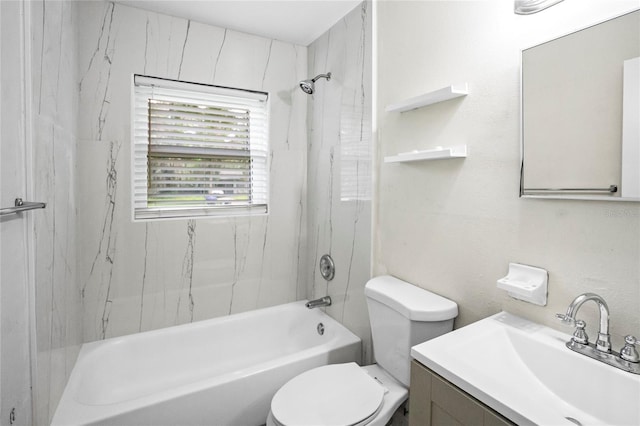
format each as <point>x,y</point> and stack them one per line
<point>524,371</point>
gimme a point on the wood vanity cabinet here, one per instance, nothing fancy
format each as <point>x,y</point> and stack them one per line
<point>433,401</point>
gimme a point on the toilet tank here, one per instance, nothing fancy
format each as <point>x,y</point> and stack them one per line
<point>403,315</point>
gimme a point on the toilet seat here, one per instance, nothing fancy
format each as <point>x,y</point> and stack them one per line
<point>337,394</point>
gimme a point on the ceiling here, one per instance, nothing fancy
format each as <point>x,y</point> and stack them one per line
<point>295,21</point>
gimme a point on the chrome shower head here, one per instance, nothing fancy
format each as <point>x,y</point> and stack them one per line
<point>308,86</point>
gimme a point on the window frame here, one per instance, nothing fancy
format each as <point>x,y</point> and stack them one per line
<point>259,157</point>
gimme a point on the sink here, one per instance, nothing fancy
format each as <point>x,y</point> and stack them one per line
<point>524,371</point>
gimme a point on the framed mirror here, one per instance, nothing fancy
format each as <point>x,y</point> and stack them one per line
<point>580,113</point>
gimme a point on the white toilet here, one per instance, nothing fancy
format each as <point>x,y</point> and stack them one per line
<point>401,315</point>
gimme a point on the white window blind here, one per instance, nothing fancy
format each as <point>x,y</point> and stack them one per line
<point>355,153</point>
<point>198,150</point>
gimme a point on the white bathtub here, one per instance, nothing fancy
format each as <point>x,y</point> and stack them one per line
<point>222,371</point>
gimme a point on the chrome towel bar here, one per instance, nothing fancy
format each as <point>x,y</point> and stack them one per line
<point>21,206</point>
<point>612,189</point>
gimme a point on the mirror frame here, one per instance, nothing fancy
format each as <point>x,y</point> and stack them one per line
<point>561,194</point>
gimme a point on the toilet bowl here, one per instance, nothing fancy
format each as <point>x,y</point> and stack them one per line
<point>402,315</point>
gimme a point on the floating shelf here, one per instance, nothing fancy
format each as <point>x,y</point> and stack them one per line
<point>441,95</point>
<point>439,153</point>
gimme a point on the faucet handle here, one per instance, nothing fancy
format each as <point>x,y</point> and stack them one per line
<point>580,335</point>
<point>565,319</point>
<point>629,352</point>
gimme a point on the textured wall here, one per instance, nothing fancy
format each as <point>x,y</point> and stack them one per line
<point>339,168</point>
<point>146,275</point>
<point>453,226</point>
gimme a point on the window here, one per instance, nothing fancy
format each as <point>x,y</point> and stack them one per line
<point>198,150</point>
<point>355,153</point>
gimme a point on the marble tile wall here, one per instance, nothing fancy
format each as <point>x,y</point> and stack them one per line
<point>54,112</point>
<point>41,309</point>
<point>15,282</point>
<point>339,168</point>
<point>96,273</point>
<point>137,276</point>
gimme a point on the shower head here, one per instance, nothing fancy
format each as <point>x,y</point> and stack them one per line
<point>308,86</point>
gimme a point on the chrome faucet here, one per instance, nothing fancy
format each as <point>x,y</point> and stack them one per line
<point>628,358</point>
<point>323,301</point>
<point>603,344</point>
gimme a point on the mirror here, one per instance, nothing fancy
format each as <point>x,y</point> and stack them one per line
<point>580,114</point>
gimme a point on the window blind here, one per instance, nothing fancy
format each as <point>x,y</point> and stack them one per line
<point>355,153</point>
<point>198,150</point>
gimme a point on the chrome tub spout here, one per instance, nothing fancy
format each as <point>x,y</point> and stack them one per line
<point>323,301</point>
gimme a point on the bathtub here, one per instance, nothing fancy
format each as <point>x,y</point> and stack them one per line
<point>222,371</point>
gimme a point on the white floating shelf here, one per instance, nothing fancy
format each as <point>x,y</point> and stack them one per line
<point>438,153</point>
<point>430,98</point>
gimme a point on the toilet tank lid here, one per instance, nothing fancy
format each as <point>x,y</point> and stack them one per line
<point>413,302</point>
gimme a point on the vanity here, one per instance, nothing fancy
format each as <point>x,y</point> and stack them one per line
<point>505,370</point>
<point>434,401</point>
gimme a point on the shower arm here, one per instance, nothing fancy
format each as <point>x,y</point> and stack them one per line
<point>319,76</point>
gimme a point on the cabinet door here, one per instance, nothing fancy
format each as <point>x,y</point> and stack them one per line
<point>435,402</point>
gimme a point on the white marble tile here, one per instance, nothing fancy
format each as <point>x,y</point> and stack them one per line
<point>15,273</point>
<point>94,267</point>
<point>340,124</point>
<point>54,109</point>
<point>145,275</point>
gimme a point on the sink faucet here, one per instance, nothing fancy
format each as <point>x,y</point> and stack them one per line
<point>323,301</point>
<point>628,359</point>
<point>603,344</point>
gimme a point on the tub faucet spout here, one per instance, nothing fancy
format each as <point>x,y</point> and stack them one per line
<point>323,301</point>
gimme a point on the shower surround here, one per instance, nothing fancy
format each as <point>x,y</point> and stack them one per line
<point>53,125</point>
<point>138,276</point>
<point>97,273</point>
<point>339,179</point>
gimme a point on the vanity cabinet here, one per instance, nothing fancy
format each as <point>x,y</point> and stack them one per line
<point>433,401</point>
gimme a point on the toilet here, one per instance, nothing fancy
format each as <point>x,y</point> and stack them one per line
<point>401,315</point>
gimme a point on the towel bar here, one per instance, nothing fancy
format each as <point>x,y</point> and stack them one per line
<point>21,206</point>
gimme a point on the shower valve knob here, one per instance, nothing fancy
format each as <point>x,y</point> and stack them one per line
<point>327,267</point>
